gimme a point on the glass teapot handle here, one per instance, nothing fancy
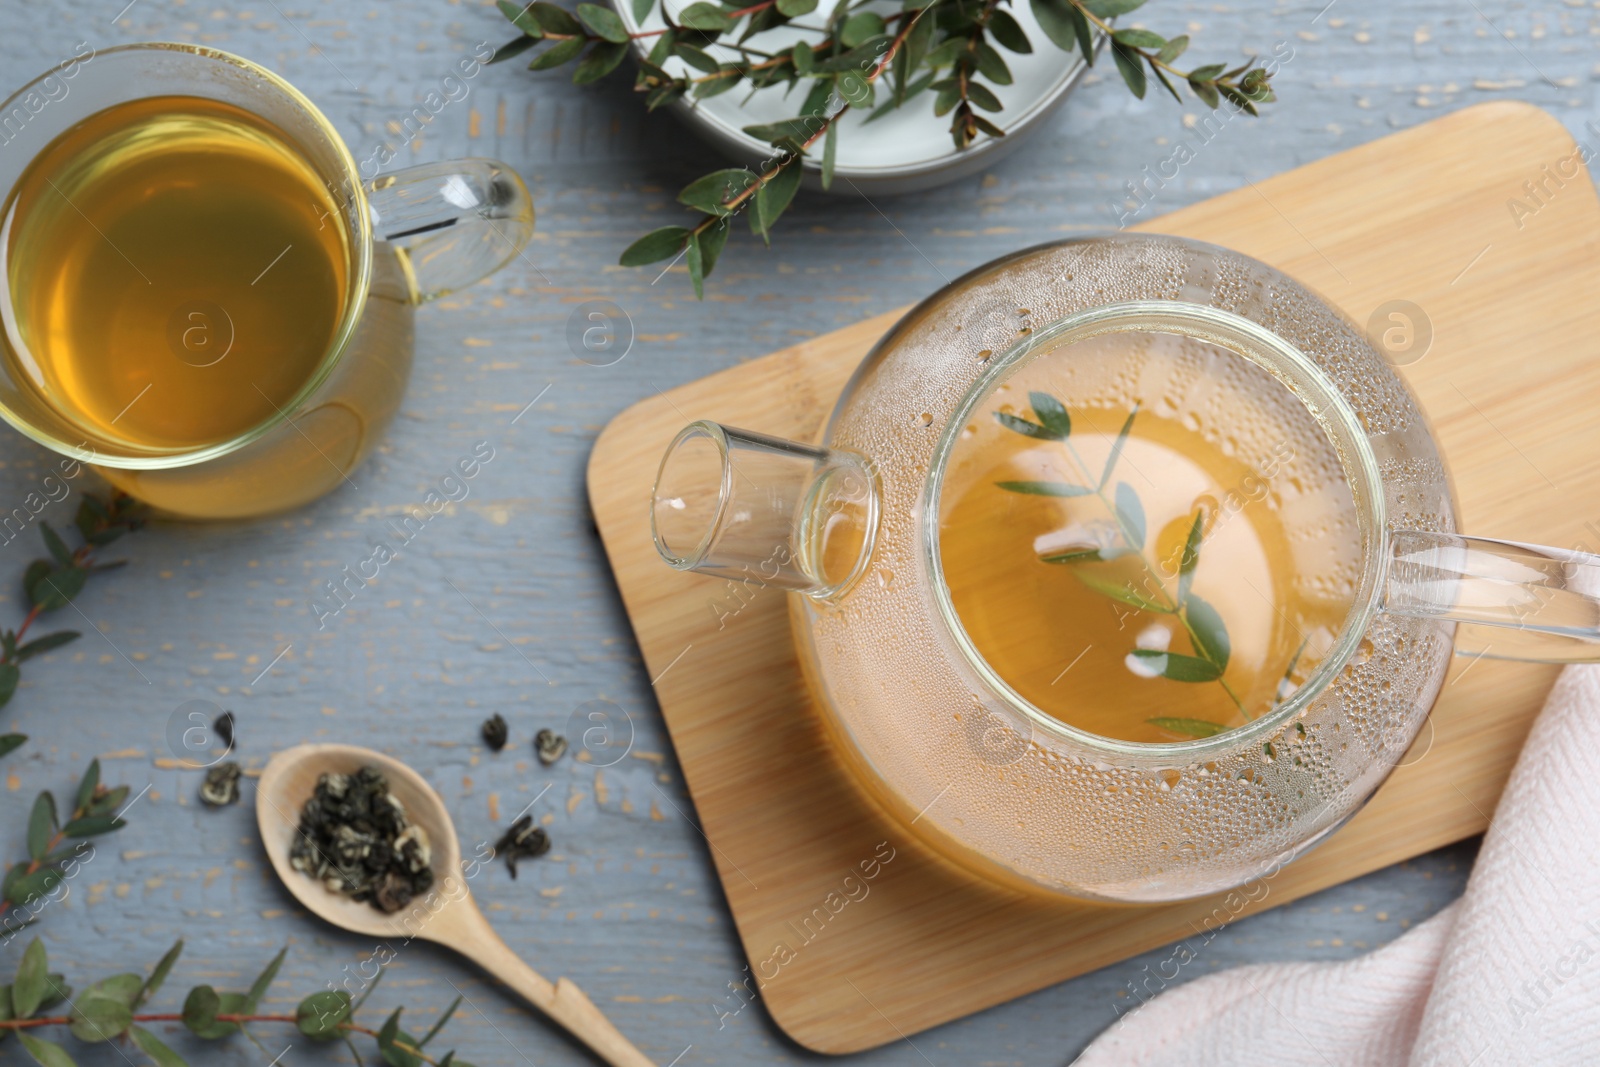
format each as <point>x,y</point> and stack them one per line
<point>450,223</point>
<point>1538,599</point>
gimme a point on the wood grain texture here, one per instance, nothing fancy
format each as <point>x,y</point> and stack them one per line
<point>1408,217</point>
<point>628,904</point>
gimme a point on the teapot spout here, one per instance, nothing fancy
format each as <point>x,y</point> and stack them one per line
<point>763,510</point>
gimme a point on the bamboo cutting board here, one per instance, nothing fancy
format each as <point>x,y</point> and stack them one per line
<point>1511,383</point>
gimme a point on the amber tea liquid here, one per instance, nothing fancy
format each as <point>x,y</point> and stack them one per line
<point>177,273</point>
<point>1098,638</point>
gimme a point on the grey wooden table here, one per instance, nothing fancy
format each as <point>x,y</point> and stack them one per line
<point>510,587</point>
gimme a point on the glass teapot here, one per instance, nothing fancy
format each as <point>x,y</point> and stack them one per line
<point>1127,568</point>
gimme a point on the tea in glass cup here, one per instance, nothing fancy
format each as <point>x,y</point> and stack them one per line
<point>201,297</point>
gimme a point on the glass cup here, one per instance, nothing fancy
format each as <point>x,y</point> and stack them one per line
<point>410,236</point>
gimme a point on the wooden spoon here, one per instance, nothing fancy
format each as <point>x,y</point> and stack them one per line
<point>447,916</point>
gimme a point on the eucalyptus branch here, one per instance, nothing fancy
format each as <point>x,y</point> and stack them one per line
<point>51,858</point>
<point>108,1011</point>
<point>950,49</point>
<point>724,194</point>
<point>1204,626</point>
<point>50,584</point>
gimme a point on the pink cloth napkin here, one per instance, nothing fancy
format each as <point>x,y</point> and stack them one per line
<point>1507,975</point>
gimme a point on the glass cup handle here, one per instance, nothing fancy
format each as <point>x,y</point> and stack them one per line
<point>1541,602</point>
<point>451,223</point>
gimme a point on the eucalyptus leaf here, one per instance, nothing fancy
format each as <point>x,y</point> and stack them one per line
<point>655,246</point>
<point>774,197</point>
<point>1206,91</point>
<point>1016,424</point>
<point>642,9</point>
<point>86,786</point>
<point>109,801</point>
<point>1110,9</point>
<point>553,19</point>
<point>159,976</point>
<point>443,1018</point>
<point>1130,516</point>
<point>258,988</point>
<point>697,58</point>
<point>705,16</point>
<point>1190,558</point>
<point>1052,415</point>
<point>1207,630</point>
<point>45,1052</point>
<point>23,887</point>
<point>367,992</point>
<point>1136,38</point>
<point>696,264</point>
<point>1084,33</point>
<point>1062,489</point>
<point>604,22</point>
<point>1189,727</point>
<point>322,1015</point>
<point>1009,33</point>
<point>1166,83</point>
<point>712,240</point>
<point>1123,591</point>
<point>1116,447</point>
<point>41,825</point>
<point>947,53</point>
<point>799,129</point>
<point>558,53</point>
<point>521,18</point>
<point>152,1046</point>
<point>991,66</point>
<point>11,742</point>
<point>1178,667</point>
<point>104,1010</point>
<point>1174,48</point>
<point>1076,555</point>
<point>92,826</point>
<point>602,59</point>
<point>1055,18</point>
<point>859,27</point>
<point>200,1010</point>
<point>33,576</point>
<point>1131,67</point>
<point>712,192</point>
<point>892,104</point>
<point>29,987</point>
<point>9,677</point>
<point>56,991</point>
<point>982,96</point>
<point>796,8</point>
<point>52,541</point>
<point>830,152</point>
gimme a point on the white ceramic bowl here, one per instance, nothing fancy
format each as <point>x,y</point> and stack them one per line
<point>904,151</point>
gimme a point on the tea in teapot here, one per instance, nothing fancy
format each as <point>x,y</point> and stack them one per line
<point>1179,538</point>
<point>1127,568</point>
